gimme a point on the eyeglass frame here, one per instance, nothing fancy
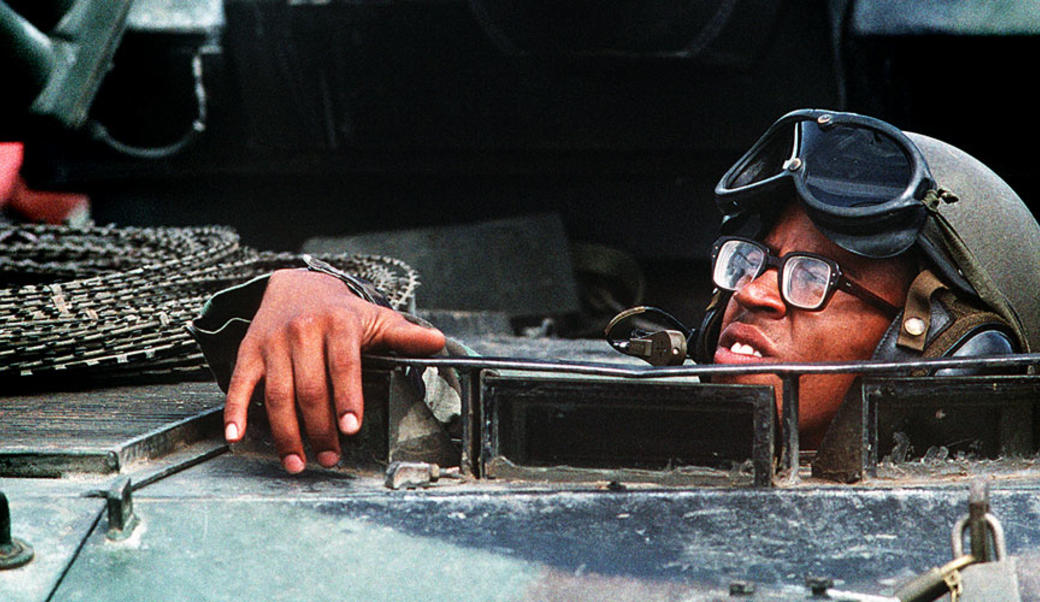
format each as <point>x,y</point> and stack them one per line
<point>837,281</point>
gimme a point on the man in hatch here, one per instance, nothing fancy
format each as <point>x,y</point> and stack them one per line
<point>844,239</point>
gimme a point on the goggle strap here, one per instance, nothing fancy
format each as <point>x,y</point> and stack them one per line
<point>988,291</point>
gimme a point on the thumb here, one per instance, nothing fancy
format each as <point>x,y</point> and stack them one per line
<point>412,339</point>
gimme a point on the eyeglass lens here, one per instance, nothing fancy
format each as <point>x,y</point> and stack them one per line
<point>737,264</point>
<point>805,279</point>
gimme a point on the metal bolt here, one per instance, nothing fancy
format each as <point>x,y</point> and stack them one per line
<point>13,551</point>
<point>824,119</point>
<point>112,461</point>
<point>819,586</point>
<point>914,326</point>
<point>793,164</point>
<point>409,475</point>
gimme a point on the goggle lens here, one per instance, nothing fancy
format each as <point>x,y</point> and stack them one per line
<point>768,161</point>
<point>849,166</point>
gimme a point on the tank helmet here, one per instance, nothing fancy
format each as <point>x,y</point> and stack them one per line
<point>988,237</point>
<point>879,192</point>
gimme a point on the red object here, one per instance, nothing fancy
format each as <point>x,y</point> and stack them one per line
<point>10,163</point>
<point>34,205</point>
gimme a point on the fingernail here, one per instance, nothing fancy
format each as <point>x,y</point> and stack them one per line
<point>328,459</point>
<point>293,464</point>
<point>231,431</point>
<point>348,423</point>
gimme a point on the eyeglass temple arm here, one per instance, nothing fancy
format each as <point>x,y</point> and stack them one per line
<point>855,289</point>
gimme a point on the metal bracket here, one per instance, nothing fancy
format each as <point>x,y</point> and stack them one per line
<point>121,517</point>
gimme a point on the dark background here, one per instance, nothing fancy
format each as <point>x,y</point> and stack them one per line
<point>339,117</point>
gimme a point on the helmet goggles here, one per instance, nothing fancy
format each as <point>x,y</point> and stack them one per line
<point>860,179</point>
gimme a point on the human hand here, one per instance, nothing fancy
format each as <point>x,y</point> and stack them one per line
<point>305,344</point>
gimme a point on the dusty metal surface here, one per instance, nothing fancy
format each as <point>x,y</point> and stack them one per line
<point>214,525</point>
<point>50,434</point>
<point>510,541</point>
<point>55,526</point>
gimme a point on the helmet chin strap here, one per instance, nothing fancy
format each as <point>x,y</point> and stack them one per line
<point>706,337</point>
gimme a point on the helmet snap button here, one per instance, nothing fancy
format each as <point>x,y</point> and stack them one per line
<point>793,164</point>
<point>914,326</point>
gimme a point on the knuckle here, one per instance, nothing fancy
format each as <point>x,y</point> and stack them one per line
<point>311,393</point>
<point>303,327</point>
<point>278,396</point>
<point>248,355</point>
<point>342,362</point>
<point>322,436</point>
<point>287,444</point>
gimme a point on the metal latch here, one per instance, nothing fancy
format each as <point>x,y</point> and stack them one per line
<point>984,574</point>
<point>992,577</point>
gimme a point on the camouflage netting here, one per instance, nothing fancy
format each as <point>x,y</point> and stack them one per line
<point>108,303</point>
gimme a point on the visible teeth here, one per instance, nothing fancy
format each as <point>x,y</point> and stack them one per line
<point>743,349</point>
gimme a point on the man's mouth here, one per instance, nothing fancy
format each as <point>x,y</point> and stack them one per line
<point>742,349</point>
<point>742,343</point>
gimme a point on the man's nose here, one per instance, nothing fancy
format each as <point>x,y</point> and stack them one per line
<point>763,294</point>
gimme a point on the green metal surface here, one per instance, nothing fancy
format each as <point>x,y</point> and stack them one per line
<point>55,525</point>
<point>84,42</point>
<point>265,549</point>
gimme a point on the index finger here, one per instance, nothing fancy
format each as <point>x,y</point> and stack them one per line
<point>249,369</point>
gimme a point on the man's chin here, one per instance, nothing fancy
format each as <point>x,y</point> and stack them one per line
<point>748,379</point>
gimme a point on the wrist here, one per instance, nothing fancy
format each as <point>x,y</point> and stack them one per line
<point>357,285</point>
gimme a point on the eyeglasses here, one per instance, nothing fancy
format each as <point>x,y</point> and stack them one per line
<point>806,280</point>
<point>861,179</point>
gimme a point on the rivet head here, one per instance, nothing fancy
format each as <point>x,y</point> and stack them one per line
<point>914,326</point>
<point>793,164</point>
<point>824,119</point>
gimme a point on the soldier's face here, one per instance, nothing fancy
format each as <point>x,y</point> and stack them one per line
<point>759,327</point>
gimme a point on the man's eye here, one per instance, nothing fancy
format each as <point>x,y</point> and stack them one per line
<point>750,258</point>
<point>812,280</point>
<point>744,265</point>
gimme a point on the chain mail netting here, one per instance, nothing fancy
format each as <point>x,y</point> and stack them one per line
<point>111,303</point>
